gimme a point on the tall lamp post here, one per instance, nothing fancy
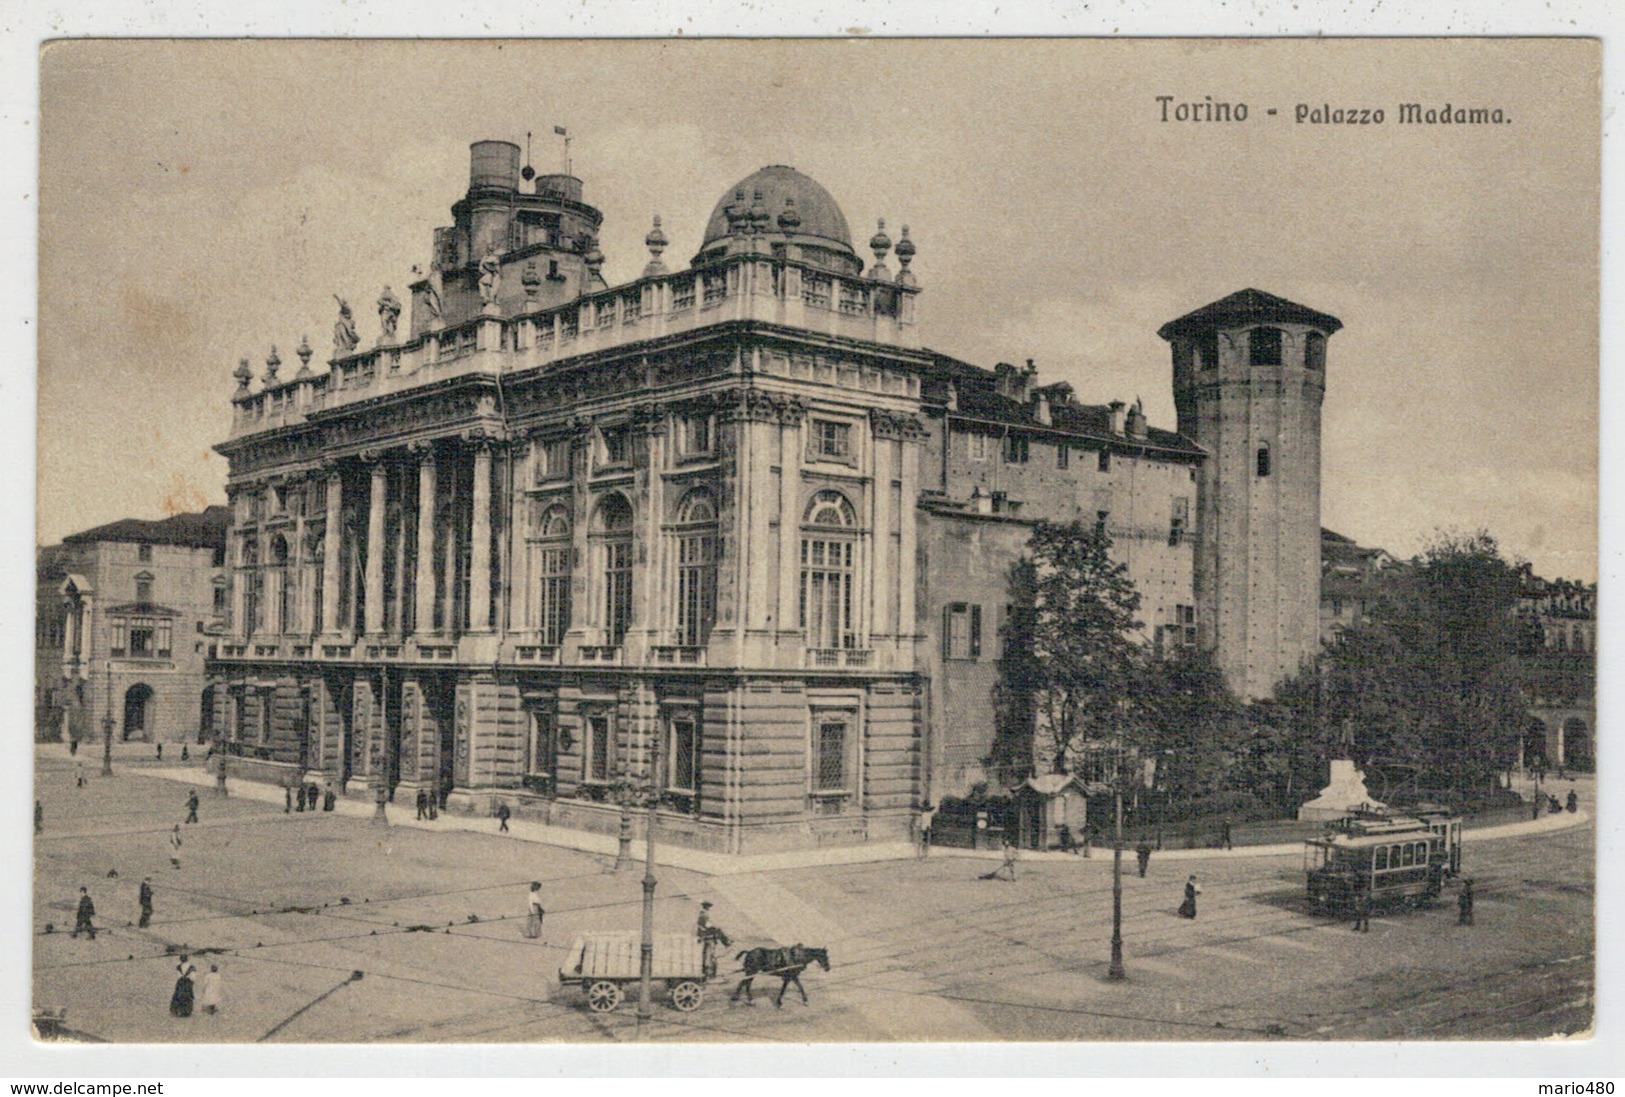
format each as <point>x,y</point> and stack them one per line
<point>646,955</point>
<point>625,793</point>
<point>1114,970</point>
<point>107,726</point>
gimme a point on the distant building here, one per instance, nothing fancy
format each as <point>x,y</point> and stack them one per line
<point>1353,579</point>
<point>730,530</point>
<point>126,616</point>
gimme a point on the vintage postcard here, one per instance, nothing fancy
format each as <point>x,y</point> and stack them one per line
<point>1042,540</point>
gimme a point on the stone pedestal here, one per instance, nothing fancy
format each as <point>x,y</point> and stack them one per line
<point>1344,792</point>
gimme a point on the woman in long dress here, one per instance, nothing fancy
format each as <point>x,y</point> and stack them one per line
<point>533,921</point>
<point>1187,909</point>
<point>180,1003</point>
<point>209,990</point>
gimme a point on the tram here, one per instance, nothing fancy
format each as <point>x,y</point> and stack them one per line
<point>1398,858</point>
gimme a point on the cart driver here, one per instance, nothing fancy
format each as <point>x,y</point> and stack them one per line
<point>709,937</point>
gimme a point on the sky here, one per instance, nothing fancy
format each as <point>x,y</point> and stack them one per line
<point>201,201</point>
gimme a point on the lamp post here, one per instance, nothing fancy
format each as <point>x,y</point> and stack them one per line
<point>1114,970</point>
<point>646,955</point>
<point>623,851</point>
<point>107,726</point>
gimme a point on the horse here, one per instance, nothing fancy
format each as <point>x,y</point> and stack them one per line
<point>786,963</point>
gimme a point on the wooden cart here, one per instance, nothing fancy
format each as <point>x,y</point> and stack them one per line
<point>605,964</point>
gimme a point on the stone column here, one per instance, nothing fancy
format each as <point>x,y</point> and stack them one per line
<point>423,576</point>
<point>375,549</point>
<point>479,563</point>
<point>332,550</point>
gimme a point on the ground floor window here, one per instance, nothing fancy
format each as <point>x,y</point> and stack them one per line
<point>599,729</point>
<point>542,751</point>
<point>833,743</point>
<point>682,752</point>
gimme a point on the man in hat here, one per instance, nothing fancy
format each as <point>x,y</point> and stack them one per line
<point>87,911</point>
<point>191,806</point>
<point>423,803</point>
<point>146,902</point>
<point>1142,854</point>
<point>1464,904</point>
<point>710,937</point>
<point>927,816</point>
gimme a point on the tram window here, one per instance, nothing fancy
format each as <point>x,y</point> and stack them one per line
<point>1382,858</point>
<point>1407,854</point>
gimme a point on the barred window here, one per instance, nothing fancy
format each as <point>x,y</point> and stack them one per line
<point>682,753</point>
<point>599,731</point>
<point>830,767</point>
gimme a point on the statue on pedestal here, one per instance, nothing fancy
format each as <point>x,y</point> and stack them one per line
<point>432,292</point>
<point>389,314</point>
<point>345,338</point>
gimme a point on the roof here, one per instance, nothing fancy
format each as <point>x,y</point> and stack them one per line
<point>1049,784</point>
<point>1089,420</point>
<point>819,214</point>
<point>200,530</point>
<point>1248,306</point>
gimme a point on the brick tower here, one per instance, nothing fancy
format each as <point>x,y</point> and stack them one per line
<point>1249,376</point>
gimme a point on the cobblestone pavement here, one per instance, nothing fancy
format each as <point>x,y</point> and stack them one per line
<point>920,949</point>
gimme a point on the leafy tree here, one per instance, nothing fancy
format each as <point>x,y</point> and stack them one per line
<point>1192,722</point>
<point>1074,665</point>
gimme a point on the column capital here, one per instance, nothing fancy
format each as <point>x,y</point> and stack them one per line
<point>373,457</point>
<point>423,449</point>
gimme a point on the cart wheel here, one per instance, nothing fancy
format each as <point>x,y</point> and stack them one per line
<point>603,996</point>
<point>687,995</point>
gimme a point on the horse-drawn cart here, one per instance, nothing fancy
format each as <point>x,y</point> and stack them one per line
<point>604,964</point>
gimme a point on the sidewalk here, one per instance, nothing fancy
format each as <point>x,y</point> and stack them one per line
<point>722,864</point>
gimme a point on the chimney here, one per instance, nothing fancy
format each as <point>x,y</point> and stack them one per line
<point>1041,408</point>
<point>1117,416</point>
<point>1136,422</point>
<point>953,395</point>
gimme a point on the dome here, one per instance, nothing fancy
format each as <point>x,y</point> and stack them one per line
<point>819,214</point>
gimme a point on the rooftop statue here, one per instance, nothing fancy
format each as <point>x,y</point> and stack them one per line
<point>490,276</point>
<point>345,338</point>
<point>389,314</point>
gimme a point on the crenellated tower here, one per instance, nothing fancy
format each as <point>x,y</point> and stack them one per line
<point>1249,378</point>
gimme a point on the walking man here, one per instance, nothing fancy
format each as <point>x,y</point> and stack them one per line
<point>502,818</point>
<point>1362,906</point>
<point>78,775</point>
<point>1574,801</point>
<point>1009,865</point>
<point>191,807</point>
<point>534,911</point>
<point>928,815</point>
<point>146,902</point>
<point>1142,854</point>
<point>160,752</point>
<point>87,911</point>
<point>287,799</point>
<point>1224,835</point>
<point>423,803</point>
<point>39,817</point>
<point>175,846</point>
<point>1464,904</point>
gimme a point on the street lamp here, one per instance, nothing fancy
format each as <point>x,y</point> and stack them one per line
<point>107,726</point>
<point>1114,970</point>
<point>646,954</point>
<point>624,795</point>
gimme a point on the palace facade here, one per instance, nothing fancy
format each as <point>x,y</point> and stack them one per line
<point>730,531</point>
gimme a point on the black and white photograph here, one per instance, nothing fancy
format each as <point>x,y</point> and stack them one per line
<point>824,541</point>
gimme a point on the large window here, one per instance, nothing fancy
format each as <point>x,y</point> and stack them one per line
<point>617,446</point>
<point>683,752</point>
<point>553,574</point>
<point>831,440</point>
<point>542,749</point>
<point>141,637</point>
<point>696,536</point>
<point>694,435</point>
<point>1179,520</point>
<point>1264,346</point>
<point>553,460</point>
<point>1016,450</point>
<point>828,553</point>
<point>614,547</point>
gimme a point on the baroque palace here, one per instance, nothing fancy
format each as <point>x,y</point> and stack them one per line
<point>731,531</point>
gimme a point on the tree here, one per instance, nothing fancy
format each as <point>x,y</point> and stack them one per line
<point>1192,720</point>
<point>1076,672</point>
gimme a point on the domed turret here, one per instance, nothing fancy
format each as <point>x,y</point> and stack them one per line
<point>813,224</point>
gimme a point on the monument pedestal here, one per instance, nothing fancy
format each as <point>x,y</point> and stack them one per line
<point>1345,792</point>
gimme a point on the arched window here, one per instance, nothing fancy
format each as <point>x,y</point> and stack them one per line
<point>315,556</point>
<point>553,573</point>
<point>1264,346</point>
<point>613,529</point>
<point>1263,460</point>
<point>696,535</point>
<point>1314,351</point>
<point>283,587</point>
<point>253,586</point>
<point>828,564</point>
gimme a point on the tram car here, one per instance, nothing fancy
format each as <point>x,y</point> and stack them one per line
<point>1398,858</point>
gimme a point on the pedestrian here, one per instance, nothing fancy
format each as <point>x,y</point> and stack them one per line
<point>329,799</point>
<point>435,804</point>
<point>1553,806</point>
<point>73,746</point>
<point>78,775</point>
<point>146,902</point>
<point>209,990</point>
<point>1362,906</point>
<point>191,807</point>
<point>180,1002</point>
<point>1464,904</point>
<point>502,818</point>
<point>534,911</point>
<point>1534,809</point>
<point>1574,801</point>
<point>39,817</point>
<point>1187,909</point>
<point>313,796</point>
<point>922,824</point>
<point>87,911</point>
<point>423,803</point>
<point>287,799</point>
<point>1142,854</point>
<point>1224,835</point>
<point>186,755</point>
<point>160,752</point>
<point>175,846</point>
<point>1067,842</point>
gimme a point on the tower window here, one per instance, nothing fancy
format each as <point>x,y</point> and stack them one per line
<point>1314,351</point>
<point>1207,350</point>
<point>1263,460</point>
<point>1063,456</point>
<point>1100,522</point>
<point>1264,346</point>
<point>1104,461</point>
